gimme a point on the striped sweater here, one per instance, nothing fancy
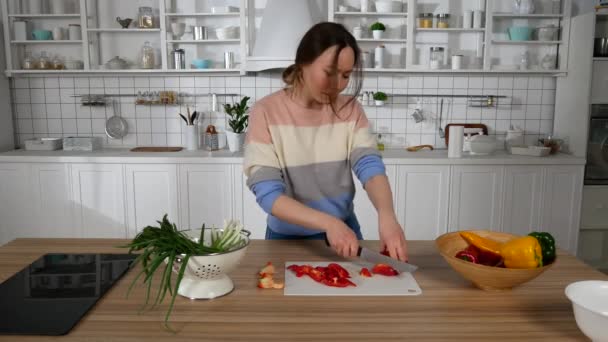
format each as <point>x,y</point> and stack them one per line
<point>308,154</point>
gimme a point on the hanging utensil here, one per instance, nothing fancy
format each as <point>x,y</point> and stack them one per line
<point>116,127</point>
<point>441,132</point>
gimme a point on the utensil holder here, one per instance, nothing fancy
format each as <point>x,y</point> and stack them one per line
<point>192,137</point>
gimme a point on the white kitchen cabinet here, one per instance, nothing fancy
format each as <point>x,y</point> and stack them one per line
<point>476,197</point>
<point>50,189</point>
<point>152,192</point>
<point>15,201</point>
<point>206,194</point>
<point>98,194</point>
<point>562,197</point>
<point>364,208</point>
<point>422,200</point>
<point>522,199</point>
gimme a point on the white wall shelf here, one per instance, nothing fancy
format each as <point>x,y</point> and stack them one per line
<point>230,14</point>
<point>44,16</point>
<point>604,59</point>
<point>527,42</point>
<point>455,30</point>
<point>46,41</point>
<point>121,30</point>
<point>387,40</point>
<point>206,41</point>
<point>370,14</point>
<point>527,16</point>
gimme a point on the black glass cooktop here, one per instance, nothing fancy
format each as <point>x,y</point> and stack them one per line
<point>53,293</point>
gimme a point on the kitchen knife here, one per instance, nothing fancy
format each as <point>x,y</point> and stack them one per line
<point>374,257</point>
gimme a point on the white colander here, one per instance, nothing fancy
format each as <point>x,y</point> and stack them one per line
<point>206,276</point>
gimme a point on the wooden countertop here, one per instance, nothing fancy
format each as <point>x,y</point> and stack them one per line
<point>448,309</point>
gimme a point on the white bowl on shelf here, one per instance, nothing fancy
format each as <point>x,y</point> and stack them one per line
<point>590,305</point>
<point>388,6</point>
<point>229,32</point>
<point>224,9</point>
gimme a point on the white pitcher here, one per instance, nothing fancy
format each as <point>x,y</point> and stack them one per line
<point>527,7</point>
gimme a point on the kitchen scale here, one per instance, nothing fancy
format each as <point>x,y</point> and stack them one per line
<point>52,294</point>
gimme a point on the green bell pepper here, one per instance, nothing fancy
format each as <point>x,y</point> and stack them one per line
<point>547,245</point>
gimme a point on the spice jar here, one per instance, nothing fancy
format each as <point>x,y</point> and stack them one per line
<point>425,20</point>
<point>211,139</point>
<point>29,62</point>
<point>57,63</point>
<point>43,62</point>
<point>443,20</point>
<point>436,58</point>
<point>146,17</point>
<point>147,56</point>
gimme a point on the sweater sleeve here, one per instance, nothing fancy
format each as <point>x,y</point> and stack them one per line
<point>365,159</point>
<point>261,163</point>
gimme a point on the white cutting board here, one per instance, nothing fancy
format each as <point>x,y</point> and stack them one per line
<point>378,285</point>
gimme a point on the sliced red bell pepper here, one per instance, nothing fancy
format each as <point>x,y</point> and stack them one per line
<point>365,273</point>
<point>385,270</point>
<point>332,275</point>
<point>342,272</point>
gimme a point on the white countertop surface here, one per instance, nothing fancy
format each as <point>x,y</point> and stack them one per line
<point>391,157</point>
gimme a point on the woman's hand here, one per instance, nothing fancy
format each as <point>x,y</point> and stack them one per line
<point>392,237</point>
<point>342,239</point>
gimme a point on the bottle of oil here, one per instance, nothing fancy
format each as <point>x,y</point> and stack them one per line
<point>380,142</point>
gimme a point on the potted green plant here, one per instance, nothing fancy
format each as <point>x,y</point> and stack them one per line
<point>378,29</point>
<point>238,122</point>
<point>380,98</point>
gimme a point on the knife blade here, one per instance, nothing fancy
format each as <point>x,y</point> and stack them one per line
<point>374,257</point>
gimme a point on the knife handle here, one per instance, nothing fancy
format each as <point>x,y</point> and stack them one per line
<point>328,245</point>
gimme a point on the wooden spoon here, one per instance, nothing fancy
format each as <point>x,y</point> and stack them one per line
<point>419,147</point>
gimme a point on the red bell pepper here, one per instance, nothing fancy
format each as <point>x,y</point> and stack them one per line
<point>385,270</point>
<point>365,273</point>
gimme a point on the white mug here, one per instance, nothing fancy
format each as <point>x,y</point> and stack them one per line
<point>74,32</point>
<point>20,29</point>
<point>58,33</point>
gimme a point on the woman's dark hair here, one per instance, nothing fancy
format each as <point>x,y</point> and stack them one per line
<point>319,38</point>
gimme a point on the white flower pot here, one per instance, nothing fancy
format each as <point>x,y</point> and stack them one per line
<point>377,34</point>
<point>235,141</point>
<point>379,103</point>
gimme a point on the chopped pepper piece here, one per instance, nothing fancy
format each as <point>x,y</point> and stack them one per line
<point>385,270</point>
<point>365,273</point>
<point>523,252</point>
<point>268,269</point>
<point>547,245</point>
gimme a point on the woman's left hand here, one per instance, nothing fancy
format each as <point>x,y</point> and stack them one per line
<point>392,237</point>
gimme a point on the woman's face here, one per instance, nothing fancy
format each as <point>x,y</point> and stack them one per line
<point>323,79</point>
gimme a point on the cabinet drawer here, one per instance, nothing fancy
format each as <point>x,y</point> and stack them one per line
<point>595,207</point>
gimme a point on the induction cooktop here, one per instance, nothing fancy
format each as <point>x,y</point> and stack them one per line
<point>53,293</point>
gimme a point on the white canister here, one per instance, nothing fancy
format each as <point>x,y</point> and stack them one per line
<point>192,137</point>
<point>20,29</point>
<point>58,6</point>
<point>35,7</point>
<point>478,19</point>
<point>457,62</point>
<point>74,32</point>
<point>58,33</point>
<point>367,60</point>
<point>379,57</point>
<point>364,5</point>
<point>467,19</point>
<point>358,32</point>
<point>456,141</point>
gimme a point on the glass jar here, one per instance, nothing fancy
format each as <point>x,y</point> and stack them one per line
<point>29,62</point>
<point>43,61</point>
<point>425,20</point>
<point>443,20</point>
<point>57,63</point>
<point>147,56</point>
<point>436,58</point>
<point>145,18</point>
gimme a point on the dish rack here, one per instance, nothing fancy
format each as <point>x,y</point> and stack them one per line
<point>205,276</point>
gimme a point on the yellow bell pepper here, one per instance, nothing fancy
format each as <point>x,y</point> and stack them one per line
<point>523,252</point>
<point>482,243</point>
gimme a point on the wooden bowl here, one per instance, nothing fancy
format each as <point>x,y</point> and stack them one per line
<point>484,277</point>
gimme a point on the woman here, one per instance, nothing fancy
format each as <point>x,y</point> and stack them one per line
<point>303,141</point>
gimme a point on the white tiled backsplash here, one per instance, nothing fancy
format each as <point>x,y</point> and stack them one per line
<point>45,106</point>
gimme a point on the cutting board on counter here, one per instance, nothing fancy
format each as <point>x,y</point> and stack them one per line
<point>402,285</point>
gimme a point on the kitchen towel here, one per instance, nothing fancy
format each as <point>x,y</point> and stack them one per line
<point>456,141</point>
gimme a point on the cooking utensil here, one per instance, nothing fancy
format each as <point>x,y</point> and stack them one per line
<point>403,284</point>
<point>116,127</point>
<point>441,132</point>
<point>419,147</point>
<point>374,257</point>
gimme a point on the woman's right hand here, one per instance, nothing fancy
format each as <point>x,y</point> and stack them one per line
<point>342,239</point>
